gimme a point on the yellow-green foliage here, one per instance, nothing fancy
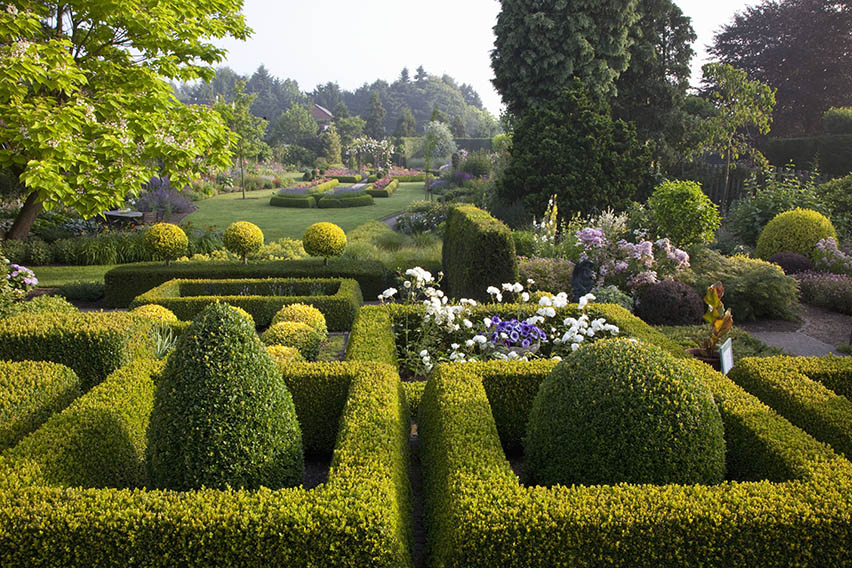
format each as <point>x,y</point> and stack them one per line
<point>243,238</point>
<point>295,334</point>
<point>30,392</point>
<point>795,489</point>
<point>359,517</point>
<point>155,312</point>
<point>619,411</point>
<point>811,392</point>
<point>92,344</point>
<point>281,354</point>
<point>302,313</point>
<point>166,240</point>
<point>798,231</point>
<point>324,239</point>
<point>98,441</point>
<point>243,313</point>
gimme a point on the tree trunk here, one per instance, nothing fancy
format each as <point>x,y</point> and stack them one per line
<point>243,176</point>
<point>724,204</point>
<point>25,219</point>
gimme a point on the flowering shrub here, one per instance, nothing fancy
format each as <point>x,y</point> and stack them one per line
<point>382,183</point>
<point>831,291</point>
<point>450,332</point>
<point>396,171</point>
<point>21,279</point>
<point>829,257</point>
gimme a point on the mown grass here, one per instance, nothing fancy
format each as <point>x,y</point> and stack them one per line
<point>55,276</point>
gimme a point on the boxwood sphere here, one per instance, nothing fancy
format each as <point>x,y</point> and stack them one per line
<point>324,239</point>
<point>165,240</point>
<point>281,354</point>
<point>243,238</point>
<point>798,231</point>
<point>622,411</point>
<point>302,313</point>
<point>155,312</point>
<point>222,413</point>
<point>294,334</point>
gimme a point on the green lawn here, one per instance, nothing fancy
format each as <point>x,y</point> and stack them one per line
<point>53,276</point>
<point>278,222</point>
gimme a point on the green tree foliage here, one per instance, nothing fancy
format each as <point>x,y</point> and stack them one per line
<point>328,95</point>
<point>331,147</point>
<point>375,127</point>
<point>404,75</point>
<point>438,142</point>
<point>799,47</point>
<point>573,148</point>
<point>340,110</point>
<point>437,115</point>
<point>249,129</point>
<point>457,127</point>
<point>349,128</point>
<point>541,44</point>
<point>86,112</point>
<point>294,125</point>
<point>652,90</point>
<point>406,125</point>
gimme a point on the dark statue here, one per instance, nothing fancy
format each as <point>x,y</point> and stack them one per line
<point>583,279</point>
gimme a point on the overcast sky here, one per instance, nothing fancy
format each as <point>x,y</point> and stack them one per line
<point>315,41</point>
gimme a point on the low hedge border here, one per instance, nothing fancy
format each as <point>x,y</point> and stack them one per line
<point>344,200</point>
<point>799,513</point>
<point>338,306</point>
<point>349,179</point>
<point>124,283</point>
<point>360,517</point>
<point>296,201</point>
<point>386,191</point>
<point>807,391</point>
<point>92,344</point>
<point>30,393</point>
<point>404,179</point>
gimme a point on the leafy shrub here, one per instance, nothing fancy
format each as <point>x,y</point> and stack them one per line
<point>837,120</point>
<point>282,354</point>
<point>155,312</point>
<point>830,291</point>
<point>618,411</point>
<point>166,241</point>
<point>302,313</point>
<point>792,262</point>
<point>683,213</point>
<point>612,295</point>
<point>837,196</point>
<point>86,291</point>
<point>324,239</point>
<point>422,217</point>
<point>38,252</point>
<point>243,238</point>
<point>45,304</point>
<point>222,414</point>
<point>66,251</point>
<point>477,164</point>
<point>549,274</point>
<point>295,334</point>
<point>244,314</point>
<point>160,196</point>
<point>798,231</point>
<point>669,302</point>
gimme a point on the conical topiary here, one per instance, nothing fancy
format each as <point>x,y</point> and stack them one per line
<point>222,413</point>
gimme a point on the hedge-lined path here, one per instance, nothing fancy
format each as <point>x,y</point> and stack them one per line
<point>819,332</point>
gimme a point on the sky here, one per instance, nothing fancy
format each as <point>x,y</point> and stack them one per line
<point>317,41</point>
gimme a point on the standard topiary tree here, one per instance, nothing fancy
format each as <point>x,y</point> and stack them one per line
<point>302,313</point>
<point>798,231</point>
<point>325,240</point>
<point>222,414</point>
<point>243,238</point>
<point>683,213</point>
<point>619,411</point>
<point>165,240</point>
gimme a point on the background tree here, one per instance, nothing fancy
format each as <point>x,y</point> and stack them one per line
<point>457,127</point>
<point>541,44</point>
<point>249,129</point>
<point>799,47</point>
<point>340,110</point>
<point>328,95</point>
<point>404,76</point>
<point>573,148</point>
<point>331,147</point>
<point>349,128</point>
<point>437,142</point>
<point>743,111</point>
<point>406,125</point>
<point>86,112</point>
<point>375,127</point>
<point>437,115</point>
<point>420,74</point>
<point>295,125</point>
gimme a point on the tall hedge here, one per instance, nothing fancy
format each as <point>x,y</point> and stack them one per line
<point>478,252</point>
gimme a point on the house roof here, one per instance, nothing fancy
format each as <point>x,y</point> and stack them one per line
<point>321,114</point>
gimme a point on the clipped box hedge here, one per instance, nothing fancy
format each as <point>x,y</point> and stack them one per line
<point>478,252</point>
<point>296,201</point>
<point>92,344</point>
<point>337,298</point>
<point>123,283</point>
<point>349,179</point>
<point>359,518</point>
<point>789,501</point>
<point>404,179</point>
<point>30,393</point>
<point>386,191</point>
<point>344,200</point>
<point>811,392</point>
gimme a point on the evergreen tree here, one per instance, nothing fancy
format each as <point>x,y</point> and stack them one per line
<point>437,115</point>
<point>457,127</point>
<point>340,110</point>
<point>403,76</point>
<point>331,147</point>
<point>406,125</point>
<point>375,127</point>
<point>420,74</point>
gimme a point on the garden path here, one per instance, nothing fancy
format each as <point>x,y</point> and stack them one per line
<point>819,332</point>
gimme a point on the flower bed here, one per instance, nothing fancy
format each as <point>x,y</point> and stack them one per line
<point>826,290</point>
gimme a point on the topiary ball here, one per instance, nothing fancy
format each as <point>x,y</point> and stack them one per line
<point>669,302</point>
<point>621,411</point>
<point>324,239</point>
<point>302,313</point>
<point>243,238</point>
<point>222,413</point>
<point>281,354</point>
<point>166,241</point>
<point>155,312</point>
<point>798,231</point>
<point>792,262</point>
<point>684,213</point>
<point>295,334</point>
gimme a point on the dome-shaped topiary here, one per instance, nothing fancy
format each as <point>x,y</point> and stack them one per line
<point>244,314</point>
<point>155,312</point>
<point>243,238</point>
<point>166,240</point>
<point>302,313</point>
<point>282,354</point>
<point>798,231</point>
<point>669,302</point>
<point>222,413</point>
<point>622,411</point>
<point>325,240</point>
<point>792,262</point>
<point>684,213</point>
<point>295,334</point>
